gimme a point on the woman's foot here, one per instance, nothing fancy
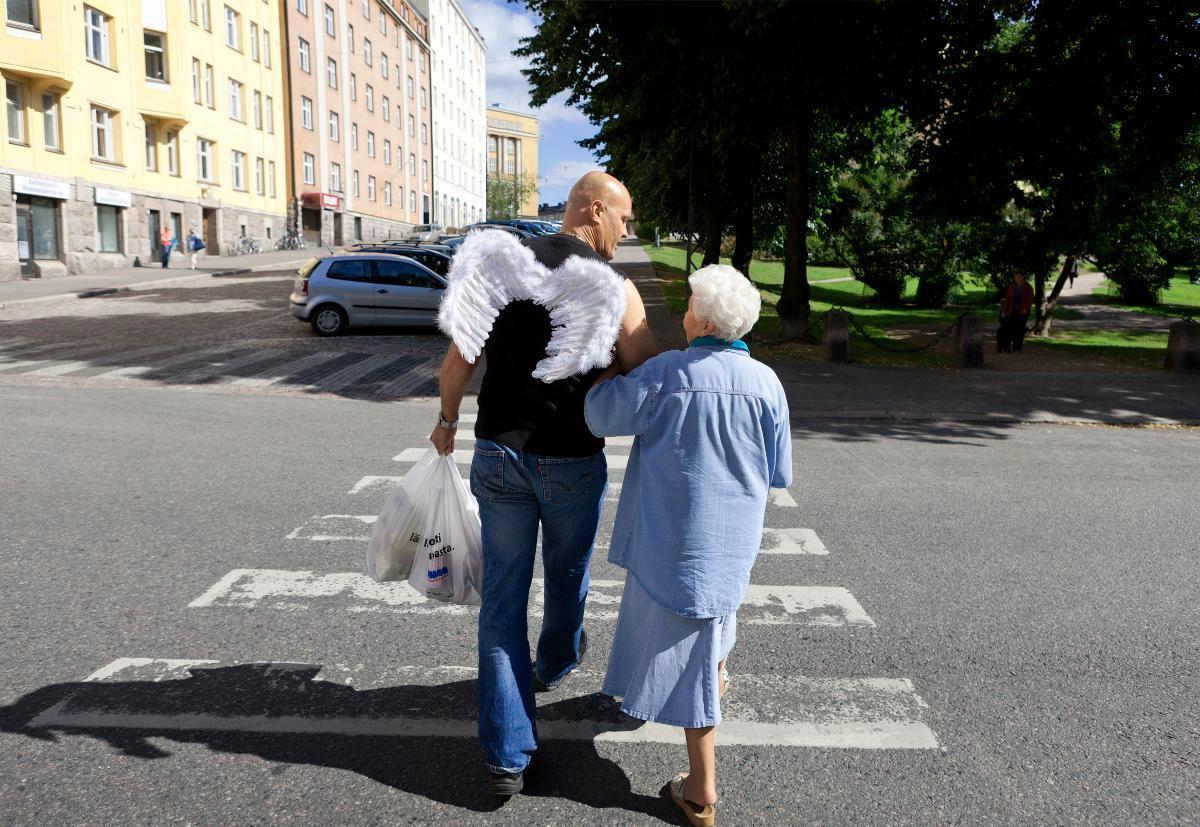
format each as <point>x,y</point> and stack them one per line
<point>701,813</point>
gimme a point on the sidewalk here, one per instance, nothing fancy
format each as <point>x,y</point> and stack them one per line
<point>124,278</point>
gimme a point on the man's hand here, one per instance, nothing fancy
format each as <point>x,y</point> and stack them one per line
<point>443,439</point>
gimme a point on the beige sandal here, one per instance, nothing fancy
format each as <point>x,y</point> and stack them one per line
<point>698,815</point>
<point>723,675</point>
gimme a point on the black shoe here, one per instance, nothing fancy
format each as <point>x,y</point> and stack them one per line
<point>540,686</point>
<point>506,784</point>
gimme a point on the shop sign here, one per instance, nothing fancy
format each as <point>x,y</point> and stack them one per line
<point>114,198</point>
<point>25,185</point>
<point>321,200</point>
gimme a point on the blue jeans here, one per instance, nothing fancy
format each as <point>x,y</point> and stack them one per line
<point>516,491</point>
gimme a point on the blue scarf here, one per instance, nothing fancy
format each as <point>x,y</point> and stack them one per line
<point>713,341</point>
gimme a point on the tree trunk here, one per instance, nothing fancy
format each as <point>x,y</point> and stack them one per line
<point>793,306</point>
<point>712,238</point>
<point>1046,305</point>
<point>743,225</point>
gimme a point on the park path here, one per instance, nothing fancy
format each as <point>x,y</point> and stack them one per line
<point>1080,298</point>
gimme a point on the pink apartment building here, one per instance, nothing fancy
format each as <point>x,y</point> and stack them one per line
<point>359,108</point>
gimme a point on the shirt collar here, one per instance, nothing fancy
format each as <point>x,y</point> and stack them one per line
<point>713,341</point>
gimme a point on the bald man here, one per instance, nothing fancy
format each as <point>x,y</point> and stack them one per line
<point>535,463</point>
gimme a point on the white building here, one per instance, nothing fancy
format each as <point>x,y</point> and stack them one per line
<point>459,116</point>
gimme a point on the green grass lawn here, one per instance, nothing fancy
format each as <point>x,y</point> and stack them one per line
<point>1181,298</point>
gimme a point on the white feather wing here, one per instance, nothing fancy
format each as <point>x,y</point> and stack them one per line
<point>586,300</point>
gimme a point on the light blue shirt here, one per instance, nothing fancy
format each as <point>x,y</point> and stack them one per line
<point>712,435</point>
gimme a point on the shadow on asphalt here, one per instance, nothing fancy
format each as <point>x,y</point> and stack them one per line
<point>233,709</point>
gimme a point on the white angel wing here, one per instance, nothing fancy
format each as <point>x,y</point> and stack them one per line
<point>586,300</point>
<point>490,269</point>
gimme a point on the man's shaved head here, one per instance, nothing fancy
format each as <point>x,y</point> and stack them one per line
<point>597,208</point>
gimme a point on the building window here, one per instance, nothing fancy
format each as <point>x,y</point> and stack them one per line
<point>206,14</point>
<point>491,161</point>
<point>370,144</point>
<point>370,187</point>
<point>424,135</point>
<point>235,100</point>
<point>408,50</point>
<point>331,73</point>
<point>412,201</point>
<point>408,86</point>
<point>412,127</point>
<point>51,121</point>
<point>271,178</point>
<point>366,9</point>
<point>23,13</point>
<point>173,152</point>
<point>233,29</point>
<point>421,62</point>
<point>412,164</point>
<point>367,51</point>
<point>387,152</point>
<point>334,131</point>
<point>259,177</point>
<point>335,177</point>
<point>14,95</point>
<point>103,138</point>
<point>108,224</point>
<point>354,183</point>
<point>257,109</point>
<point>383,25</point>
<point>269,115</point>
<point>196,81</point>
<point>302,7</point>
<point>302,51</point>
<point>306,111</point>
<point>156,55</point>
<point>354,136</point>
<point>370,98</point>
<point>424,170</point>
<point>309,165</point>
<point>386,106</point>
<point>209,87</point>
<point>329,23</point>
<point>383,64</point>
<point>387,195</point>
<point>353,86</point>
<point>266,48</point>
<point>254,41</point>
<point>350,37</point>
<point>151,149</point>
<point>424,98</point>
<point>95,29</point>
<point>205,154</point>
<point>238,168</point>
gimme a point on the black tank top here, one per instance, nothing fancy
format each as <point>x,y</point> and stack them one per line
<point>524,413</point>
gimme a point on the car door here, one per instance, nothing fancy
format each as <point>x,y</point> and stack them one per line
<point>406,292</point>
<point>351,283</point>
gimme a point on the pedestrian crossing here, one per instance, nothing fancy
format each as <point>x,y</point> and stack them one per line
<point>246,366</point>
<point>764,709</point>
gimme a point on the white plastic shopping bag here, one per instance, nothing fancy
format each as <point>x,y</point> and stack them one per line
<point>449,565</point>
<point>396,538</point>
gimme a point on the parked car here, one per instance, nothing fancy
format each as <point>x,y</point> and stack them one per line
<point>435,257</point>
<point>425,232</point>
<point>508,228</point>
<point>363,289</point>
<point>452,241</point>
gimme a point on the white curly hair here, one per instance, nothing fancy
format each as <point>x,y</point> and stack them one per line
<point>723,296</point>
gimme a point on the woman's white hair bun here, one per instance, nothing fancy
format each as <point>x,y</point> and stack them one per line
<point>723,296</point>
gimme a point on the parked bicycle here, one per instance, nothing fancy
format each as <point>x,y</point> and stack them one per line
<point>244,246</point>
<point>292,240</point>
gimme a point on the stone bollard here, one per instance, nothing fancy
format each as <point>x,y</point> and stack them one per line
<point>1183,347</point>
<point>836,344</point>
<point>969,341</point>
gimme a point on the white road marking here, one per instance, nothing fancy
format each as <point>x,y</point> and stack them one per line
<point>782,498</point>
<point>314,699</point>
<point>20,363</point>
<point>306,590</point>
<point>334,527</point>
<point>792,541</point>
<point>346,377</point>
<point>279,373</point>
<point>616,462</point>
<point>60,369</point>
<point>134,371</point>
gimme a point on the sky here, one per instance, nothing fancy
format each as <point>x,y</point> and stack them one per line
<point>560,159</point>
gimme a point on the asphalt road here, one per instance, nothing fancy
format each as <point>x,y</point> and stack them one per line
<point>1036,584</point>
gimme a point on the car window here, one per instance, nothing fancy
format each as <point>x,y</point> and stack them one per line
<point>350,269</point>
<point>402,274</point>
<point>437,264</point>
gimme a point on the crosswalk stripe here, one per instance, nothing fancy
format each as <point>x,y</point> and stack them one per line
<point>278,373</point>
<point>306,590</point>
<point>17,364</point>
<point>792,541</point>
<point>616,462</point>
<point>347,376</point>
<point>135,371</point>
<point>171,695</point>
<point>781,498</point>
<point>60,369</point>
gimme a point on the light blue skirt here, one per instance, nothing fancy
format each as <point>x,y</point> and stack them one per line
<point>663,666</point>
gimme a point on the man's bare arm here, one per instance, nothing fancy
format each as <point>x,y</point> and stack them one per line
<point>455,376</point>
<point>636,343</point>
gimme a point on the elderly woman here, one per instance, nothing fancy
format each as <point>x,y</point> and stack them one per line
<point>712,435</point>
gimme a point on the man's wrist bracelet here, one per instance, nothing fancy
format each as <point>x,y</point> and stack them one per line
<point>448,424</point>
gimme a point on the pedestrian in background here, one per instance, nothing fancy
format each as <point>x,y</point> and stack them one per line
<point>712,435</point>
<point>194,245</point>
<point>1014,314</point>
<point>167,241</point>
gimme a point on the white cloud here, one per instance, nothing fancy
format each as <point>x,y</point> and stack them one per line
<point>560,176</point>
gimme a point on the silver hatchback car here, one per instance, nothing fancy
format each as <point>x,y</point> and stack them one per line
<point>365,289</point>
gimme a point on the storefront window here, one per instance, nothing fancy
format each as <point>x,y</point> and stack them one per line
<point>108,223</point>
<point>44,216</point>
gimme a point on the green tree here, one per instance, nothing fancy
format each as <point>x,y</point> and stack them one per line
<point>506,194</point>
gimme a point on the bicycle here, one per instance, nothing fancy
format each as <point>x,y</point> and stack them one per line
<point>245,246</point>
<point>292,240</point>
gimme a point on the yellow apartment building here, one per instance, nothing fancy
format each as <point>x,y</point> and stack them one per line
<point>127,116</point>
<point>512,149</point>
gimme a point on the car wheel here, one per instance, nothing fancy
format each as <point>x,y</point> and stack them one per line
<point>328,320</point>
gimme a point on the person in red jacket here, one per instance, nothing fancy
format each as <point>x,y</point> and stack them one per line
<point>1014,314</point>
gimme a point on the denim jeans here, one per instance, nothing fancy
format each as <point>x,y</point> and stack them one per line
<point>516,492</point>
